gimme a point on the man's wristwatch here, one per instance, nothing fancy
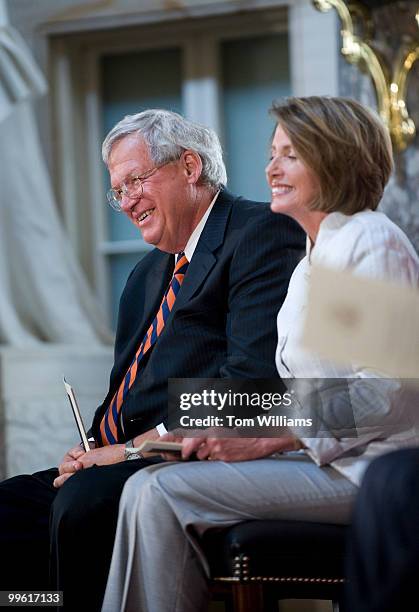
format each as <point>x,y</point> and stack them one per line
<point>130,452</point>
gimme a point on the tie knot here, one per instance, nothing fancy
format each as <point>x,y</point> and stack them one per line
<point>181,264</point>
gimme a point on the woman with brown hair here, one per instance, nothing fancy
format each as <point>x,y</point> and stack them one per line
<point>330,161</point>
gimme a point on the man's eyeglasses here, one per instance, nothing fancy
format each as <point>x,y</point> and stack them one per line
<point>132,188</point>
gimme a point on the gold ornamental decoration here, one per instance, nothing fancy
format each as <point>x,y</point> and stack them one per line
<point>390,82</point>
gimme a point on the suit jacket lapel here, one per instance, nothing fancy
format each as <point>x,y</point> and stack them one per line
<point>204,259</point>
<point>161,271</point>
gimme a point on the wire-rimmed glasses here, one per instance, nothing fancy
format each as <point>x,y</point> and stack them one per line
<point>131,188</point>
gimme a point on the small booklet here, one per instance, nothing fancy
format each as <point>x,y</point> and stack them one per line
<point>77,415</point>
<point>160,446</point>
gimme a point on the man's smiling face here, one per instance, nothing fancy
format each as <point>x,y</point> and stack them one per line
<point>162,211</point>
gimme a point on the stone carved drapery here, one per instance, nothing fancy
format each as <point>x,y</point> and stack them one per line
<point>39,426</point>
<point>43,297</point>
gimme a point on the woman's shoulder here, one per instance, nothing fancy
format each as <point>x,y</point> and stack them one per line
<point>370,244</point>
<point>373,220</point>
<point>370,228</point>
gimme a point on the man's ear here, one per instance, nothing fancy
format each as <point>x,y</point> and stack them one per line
<point>192,163</point>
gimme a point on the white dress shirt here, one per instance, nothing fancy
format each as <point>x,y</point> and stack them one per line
<point>367,244</point>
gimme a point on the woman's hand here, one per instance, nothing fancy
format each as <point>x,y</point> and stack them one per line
<point>243,449</point>
<point>228,449</point>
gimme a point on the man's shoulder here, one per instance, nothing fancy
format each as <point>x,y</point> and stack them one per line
<point>153,257</point>
<point>243,206</point>
<point>257,216</point>
<point>153,260</point>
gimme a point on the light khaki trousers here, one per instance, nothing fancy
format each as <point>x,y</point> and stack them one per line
<point>157,563</point>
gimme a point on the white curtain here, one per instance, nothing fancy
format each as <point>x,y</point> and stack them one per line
<point>43,294</point>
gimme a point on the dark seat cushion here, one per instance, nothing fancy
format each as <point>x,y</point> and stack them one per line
<point>277,548</point>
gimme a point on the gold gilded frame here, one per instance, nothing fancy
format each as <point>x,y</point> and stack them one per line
<point>390,84</point>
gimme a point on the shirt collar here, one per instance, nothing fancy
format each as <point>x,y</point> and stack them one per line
<point>309,247</point>
<point>194,237</point>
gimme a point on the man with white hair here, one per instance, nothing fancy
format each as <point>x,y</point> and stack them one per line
<point>202,304</point>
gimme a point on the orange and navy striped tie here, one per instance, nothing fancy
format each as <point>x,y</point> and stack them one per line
<point>112,416</point>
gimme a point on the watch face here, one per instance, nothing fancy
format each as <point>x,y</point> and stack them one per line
<point>131,454</point>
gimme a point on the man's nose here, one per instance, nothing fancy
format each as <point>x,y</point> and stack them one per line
<point>127,203</point>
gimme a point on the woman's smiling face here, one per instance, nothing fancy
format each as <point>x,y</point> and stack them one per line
<point>294,187</point>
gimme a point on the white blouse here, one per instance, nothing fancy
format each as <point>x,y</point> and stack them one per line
<point>370,245</point>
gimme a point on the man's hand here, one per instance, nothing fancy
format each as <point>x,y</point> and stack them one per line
<point>104,455</point>
<point>77,459</point>
<point>152,434</point>
<point>70,464</point>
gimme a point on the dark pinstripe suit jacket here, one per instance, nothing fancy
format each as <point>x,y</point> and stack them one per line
<point>223,323</point>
